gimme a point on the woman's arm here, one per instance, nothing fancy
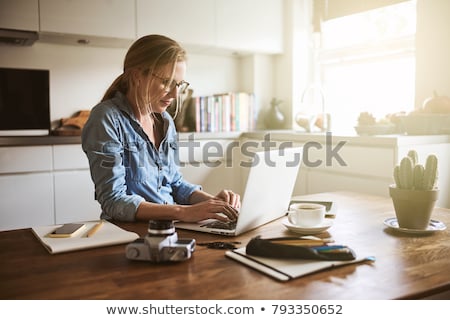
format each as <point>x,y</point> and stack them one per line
<point>204,206</point>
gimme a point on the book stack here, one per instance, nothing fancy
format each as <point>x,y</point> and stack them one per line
<point>234,111</point>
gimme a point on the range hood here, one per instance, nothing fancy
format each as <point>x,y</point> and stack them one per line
<point>18,37</point>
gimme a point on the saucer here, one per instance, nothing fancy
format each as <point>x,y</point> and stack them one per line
<point>433,226</point>
<point>308,230</point>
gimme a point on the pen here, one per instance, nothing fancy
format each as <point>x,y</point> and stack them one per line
<point>300,242</point>
<point>337,248</point>
<point>303,242</point>
<point>95,229</point>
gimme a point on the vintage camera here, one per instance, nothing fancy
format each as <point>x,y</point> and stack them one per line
<point>160,244</point>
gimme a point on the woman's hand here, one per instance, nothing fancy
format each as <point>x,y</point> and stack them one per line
<point>224,206</point>
<point>230,197</point>
<point>210,209</point>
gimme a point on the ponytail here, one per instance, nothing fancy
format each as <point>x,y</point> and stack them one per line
<point>118,85</point>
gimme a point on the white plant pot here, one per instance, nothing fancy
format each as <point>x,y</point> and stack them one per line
<point>413,208</point>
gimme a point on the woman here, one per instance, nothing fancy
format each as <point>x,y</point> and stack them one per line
<point>131,144</point>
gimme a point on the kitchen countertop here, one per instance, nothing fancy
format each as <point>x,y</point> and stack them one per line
<point>354,139</point>
<point>14,141</point>
<point>280,135</point>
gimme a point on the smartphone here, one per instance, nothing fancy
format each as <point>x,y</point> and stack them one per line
<point>67,230</point>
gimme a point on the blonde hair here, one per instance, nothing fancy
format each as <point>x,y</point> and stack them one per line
<point>147,54</point>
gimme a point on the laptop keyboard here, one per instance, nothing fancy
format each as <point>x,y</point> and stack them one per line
<point>230,225</point>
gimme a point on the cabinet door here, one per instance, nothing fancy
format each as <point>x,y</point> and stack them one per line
<point>188,22</point>
<point>25,159</point>
<point>69,157</point>
<point>26,200</point>
<point>74,197</point>
<point>250,25</point>
<point>19,14</point>
<point>74,189</point>
<point>209,163</point>
<point>212,178</point>
<point>104,18</point>
<point>321,181</point>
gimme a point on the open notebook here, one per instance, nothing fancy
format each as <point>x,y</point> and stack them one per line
<point>109,234</point>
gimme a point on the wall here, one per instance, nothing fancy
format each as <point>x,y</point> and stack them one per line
<point>432,49</point>
<point>293,69</point>
<point>80,75</point>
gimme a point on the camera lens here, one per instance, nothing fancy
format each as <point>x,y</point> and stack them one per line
<point>160,227</point>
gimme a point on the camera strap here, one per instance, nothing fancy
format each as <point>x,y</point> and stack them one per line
<point>220,244</point>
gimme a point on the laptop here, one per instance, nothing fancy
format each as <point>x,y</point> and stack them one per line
<point>268,191</point>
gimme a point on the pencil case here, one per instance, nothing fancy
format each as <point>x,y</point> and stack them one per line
<point>267,248</point>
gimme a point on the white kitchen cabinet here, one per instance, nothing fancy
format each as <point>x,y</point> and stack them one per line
<point>317,181</point>
<point>74,197</point>
<point>26,200</point>
<point>43,185</point>
<point>19,14</point>
<point>25,159</point>
<point>192,23</point>
<point>367,162</point>
<point>102,18</point>
<point>210,164</point>
<point>360,168</point>
<point>51,184</point>
<point>74,189</point>
<point>250,25</point>
<point>69,157</point>
<point>26,186</point>
<point>214,25</point>
<point>213,179</point>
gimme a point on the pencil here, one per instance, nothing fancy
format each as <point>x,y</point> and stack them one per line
<point>301,242</point>
<point>94,229</point>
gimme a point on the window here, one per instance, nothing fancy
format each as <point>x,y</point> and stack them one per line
<point>366,63</point>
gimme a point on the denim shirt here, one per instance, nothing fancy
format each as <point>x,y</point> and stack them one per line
<point>126,167</point>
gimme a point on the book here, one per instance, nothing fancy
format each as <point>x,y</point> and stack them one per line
<point>225,112</point>
<point>288,269</point>
<point>109,234</point>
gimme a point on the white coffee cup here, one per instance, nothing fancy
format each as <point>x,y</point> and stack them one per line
<point>306,214</point>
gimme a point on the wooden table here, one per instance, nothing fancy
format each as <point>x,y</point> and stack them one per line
<point>407,266</point>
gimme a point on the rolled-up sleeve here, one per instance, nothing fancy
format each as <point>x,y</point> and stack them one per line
<point>104,150</point>
<point>183,190</point>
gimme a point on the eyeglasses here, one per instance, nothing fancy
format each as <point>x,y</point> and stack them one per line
<point>170,85</point>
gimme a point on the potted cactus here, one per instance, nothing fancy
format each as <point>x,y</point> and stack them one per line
<point>415,192</point>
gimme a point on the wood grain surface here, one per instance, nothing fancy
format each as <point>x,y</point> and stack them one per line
<point>407,266</point>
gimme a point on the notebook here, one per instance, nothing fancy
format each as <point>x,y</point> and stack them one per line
<point>109,234</point>
<point>288,269</point>
<point>270,183</point>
